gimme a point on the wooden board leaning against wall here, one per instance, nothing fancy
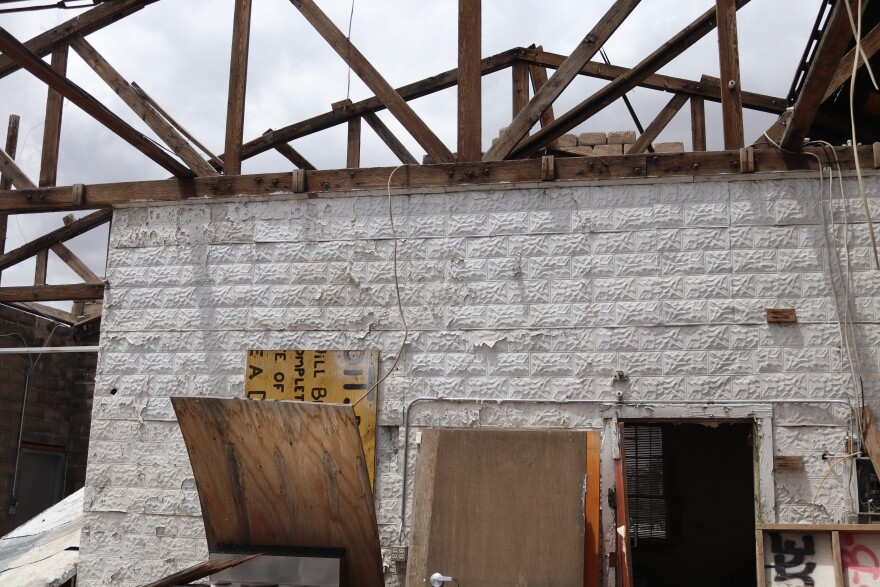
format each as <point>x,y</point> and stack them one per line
<point>329,376</point>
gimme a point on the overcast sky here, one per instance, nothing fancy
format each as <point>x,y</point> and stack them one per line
<point>178,51</point>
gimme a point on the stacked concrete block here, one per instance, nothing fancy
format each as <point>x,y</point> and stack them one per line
<point>621,137</point>
<point>567,140</point>
<point>677,147</point>
<point>538,294</point>
<point>591,139</point>
<point>608,150</point>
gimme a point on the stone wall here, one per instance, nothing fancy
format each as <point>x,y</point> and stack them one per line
<point>538,293</point>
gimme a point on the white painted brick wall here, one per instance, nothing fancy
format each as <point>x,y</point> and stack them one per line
<point>535,294</point>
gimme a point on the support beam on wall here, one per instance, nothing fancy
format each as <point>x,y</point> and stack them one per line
<point>52,127</point>
<point>353,152</point>
<point>51,293</point>
<point>698,124</point>
<point>238,63</point>
<point>728,52</point>
<point>824,64</point>
<point>373,80</point>
<point>145,111</point>
<point>41,267</point>
<point>14,49</point>
<point>469,81</point>
<point>561,79</point>
<point>62,234</point>
<point>519,72</point>
<point>611,92</point>
<point>659,123</point>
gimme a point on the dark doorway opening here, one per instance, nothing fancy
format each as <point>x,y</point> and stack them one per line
<point>690,494</point>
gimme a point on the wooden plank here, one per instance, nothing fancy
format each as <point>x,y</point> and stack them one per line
<point>14,49</point>
<point>51,293</point>
<point>44,310</point>
<point>61,234</point>
<point>353,151</point>
<point>13,173</point>
<point>470,125</point>
<point>142,107</point>
<point>871,436</point>
<point>52,127</point>
<point>838,560</point>
<point>75,263</point>
<point>263,489</point>
<point>709,89</point>
<point>818,79</point>
<point>492,488</point>
<point>698,124</point>
<point>198,571</point>
<point>411,91</point>
<point>781,316</point>
<point>870,46</point>
<point>728,53</point>
<point>389,139</point>
<point>6,182</point>
<point>373,80</point>
<point>539,77</point>
<point>658,124</point>
<point>621,85</point>
<point>560,79</point>
<point>293,156</point>
<point>592,520</point>
<point>83,24</point>
<point>759,558</point>
<point>519,86</point>
<point>423,506</point>
<point>238,64</point>
<point>624,557</point>
<point>41,267</point>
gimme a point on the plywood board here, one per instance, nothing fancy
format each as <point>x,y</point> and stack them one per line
<point>336,377</point>
<point>283,473</point>
<point>794,559</point>
<point>500,507</point>
<point>860,558</point>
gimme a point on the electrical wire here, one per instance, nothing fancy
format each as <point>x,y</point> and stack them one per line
<point>348,61</point>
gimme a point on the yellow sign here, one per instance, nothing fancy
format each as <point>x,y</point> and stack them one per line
<point>334,377</point>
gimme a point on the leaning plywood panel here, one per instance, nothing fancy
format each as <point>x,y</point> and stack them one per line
<point>283,473</point>
<point>500,507</point>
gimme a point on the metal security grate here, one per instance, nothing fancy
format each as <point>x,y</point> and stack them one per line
<point>645,482</point>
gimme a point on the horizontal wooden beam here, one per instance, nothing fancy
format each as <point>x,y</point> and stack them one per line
<point>708,89</point>
<point>64,233</point>
<point>416,177</point>
<point>82,24</point>
<point>51,293</point>
<point>39,68</point>
<point>418,89</point>
<point>674,47</point>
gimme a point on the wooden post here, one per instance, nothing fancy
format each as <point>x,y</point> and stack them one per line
<point>539,78</point>
<point>5,182</point>
<point>731,93</point>
<point>656,127</point>
<point>469,81</point>
<point>698,123</point>
<point>353,156</point>
<point>52,128</point>
<point>520,80</point>
<point>42,264</point>
<point>241,29</point>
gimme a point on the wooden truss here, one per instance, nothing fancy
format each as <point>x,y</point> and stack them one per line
<point>521,154</point>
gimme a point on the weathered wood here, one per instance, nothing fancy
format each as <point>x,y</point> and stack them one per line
<point>293,156</point>
<point>389,139</point>
<point>83,24</point>
<point>52,127</point>
<point>412,91</point>
<point>824,64</point>
<point>143,108</point>
<point>75,263</point>
<point>14,49</point>
<point>728,51</point>
<point>470,123</point>
<point>41,267</point>
<point>617,88</point>
<point>871,436</point>
<point>13,173</point>
<point>519,86</point>
<point>624,556</point>
<point>539,77</point>
<point>238,64</point>
<point>198,571</point>
<point>561,79</point>
<point>373,80</point>
<point>658,124</point>
<point>301,481</point>
<point>353,152</point>
<point>490,489</point>
<point>592,520</point>
<point>5,182</point>
<point>838,560</point>
<point>759,559</point>
<point>51,293</point>
<point>61,234</point>
<point>698,123</point>
<point>781,315</point>
<point>709,89</point>
<point>870,46</point>
<point>44,310</point>
<point>423,176</point>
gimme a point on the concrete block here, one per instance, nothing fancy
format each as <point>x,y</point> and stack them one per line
<point>591,139</point>
<point>568,140</point>
<point>676,147</point>
<point>608,150</point>
<point>621,137</point>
